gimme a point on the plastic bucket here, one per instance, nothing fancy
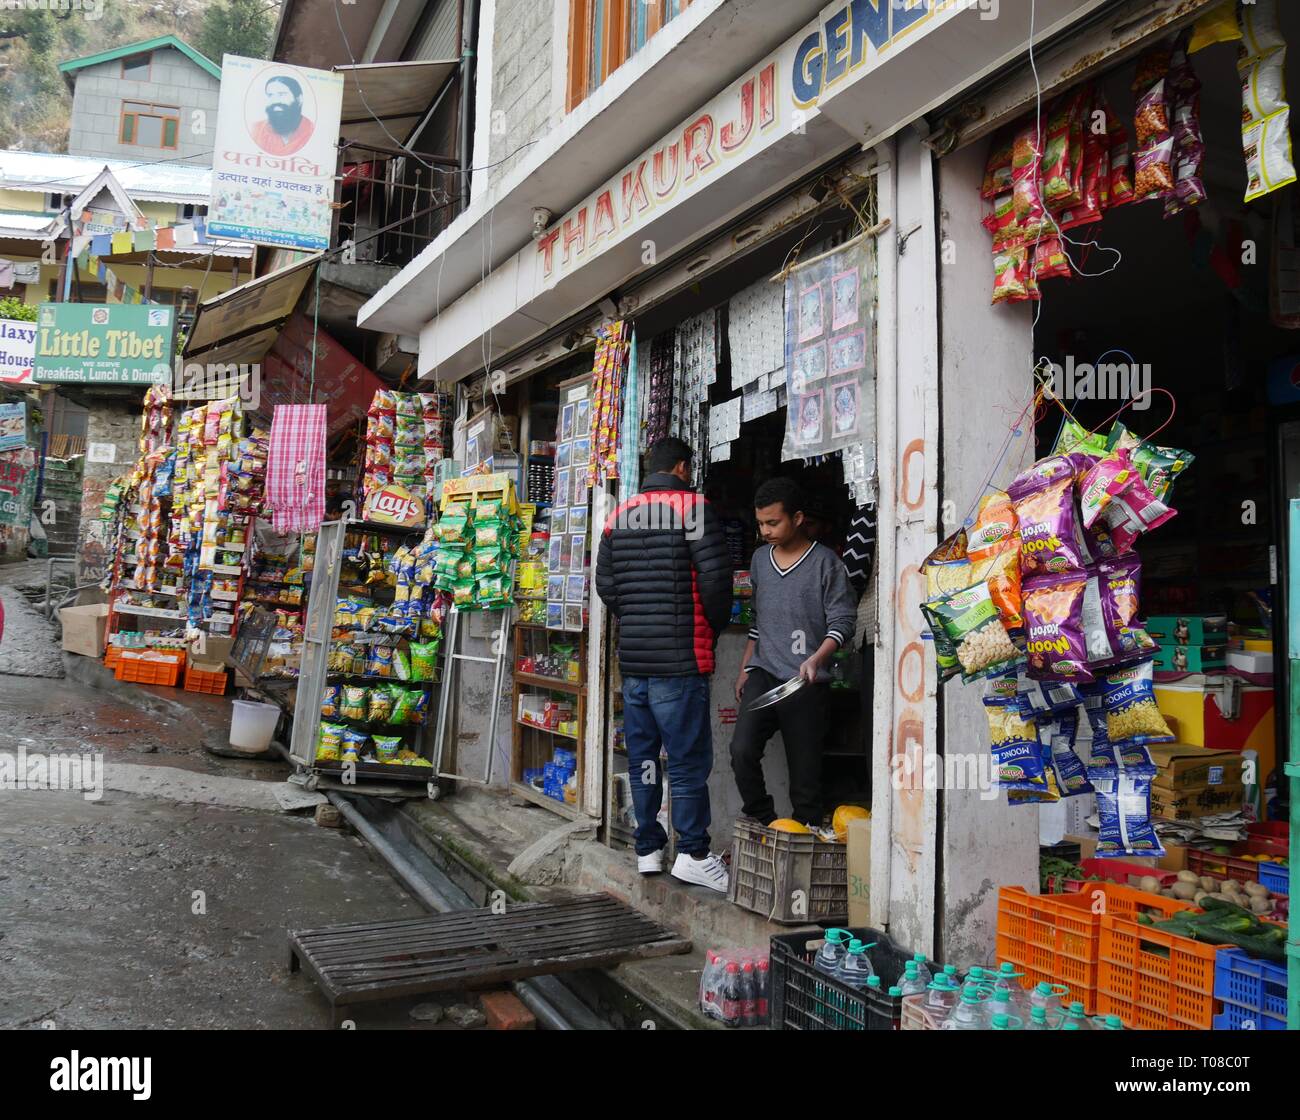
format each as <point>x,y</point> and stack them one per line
<point>252,725</point>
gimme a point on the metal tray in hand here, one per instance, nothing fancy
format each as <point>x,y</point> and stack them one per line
<point>779,693</point>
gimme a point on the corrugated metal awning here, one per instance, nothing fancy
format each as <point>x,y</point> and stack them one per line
<point>392,96</point>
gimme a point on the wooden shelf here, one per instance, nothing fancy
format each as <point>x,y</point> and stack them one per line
<point>546,730</point>
<point>549,682</point>
<point>561,807</point>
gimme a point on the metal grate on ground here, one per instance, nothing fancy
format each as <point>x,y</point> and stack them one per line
<point>387,960</point>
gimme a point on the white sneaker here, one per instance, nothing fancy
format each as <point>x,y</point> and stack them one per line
<point>708,872</point>
<point>651,864</point>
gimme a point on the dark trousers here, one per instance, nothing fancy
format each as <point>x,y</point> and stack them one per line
<point>671,713</point>
<point>801,720</point>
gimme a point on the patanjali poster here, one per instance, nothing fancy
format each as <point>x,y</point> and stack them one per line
<point>830,368</point>
<point>274,162</point>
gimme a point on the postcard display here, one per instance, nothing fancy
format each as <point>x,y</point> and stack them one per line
<point>830,361</point>
<point>569,544</point>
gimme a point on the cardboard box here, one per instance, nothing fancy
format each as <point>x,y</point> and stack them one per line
<point>859,845</point>
<point>85,629</point>
<point>1179,766</point>
<point>1189,629</point>
<point>1087,845</point>
<point>1175,857</point>
<point>1191,658</point>
<point>1250,661</point>
<point>1196,801</point>
<point>211,650</point>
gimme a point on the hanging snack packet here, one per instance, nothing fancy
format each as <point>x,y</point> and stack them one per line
<point>1074,437</point>
<point>329,705</point>
<point>993,549</point>
<point>970,620</point>
<point>401,665</point>
<point>1043,698</point>
<point>1158,466</point>
<point>408,404</point>
<point>354,744</point>
<point>1120,157</point>
<point>403,705</point>
<point>384,401</point>
<point>945,649</point>
<point>1026,154</point>
<point>1102,754</point>
<point>387,746</point>
<point>997,171</point>
<point>380,661</point>
<point>380,706</point>
<point>1055,627</point>
<point>1124,809</point>
<point>424,661</point>
<point>329,742</point>
<point>1057,165</point>
<point>1154,177</point>
<point>1265,114</point>
<point>353,702</point>
<point>1010,284</point>
<point>1132,716</point>
<point>1189,147</point>
<point>1071,778</point>
<point>1118,581</point>
<point>1017,753</point>
<point>488,534</point>
<point>1043,497</point>
<point>1049,259</point>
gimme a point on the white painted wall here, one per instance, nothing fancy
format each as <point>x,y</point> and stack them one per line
<point>987,359</point>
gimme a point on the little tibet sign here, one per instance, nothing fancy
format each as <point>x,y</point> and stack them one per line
<point>102,344</point>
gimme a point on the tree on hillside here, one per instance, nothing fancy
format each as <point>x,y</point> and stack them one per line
<point>243,27</point>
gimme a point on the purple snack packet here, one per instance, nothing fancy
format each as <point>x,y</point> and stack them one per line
<point>1120,581</point>
<point>1054,628</point>
<point>1043,497</point>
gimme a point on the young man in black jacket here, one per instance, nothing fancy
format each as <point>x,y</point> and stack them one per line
<point>664,571</point>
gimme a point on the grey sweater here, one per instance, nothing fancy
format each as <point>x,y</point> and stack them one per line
<point>798,609</point>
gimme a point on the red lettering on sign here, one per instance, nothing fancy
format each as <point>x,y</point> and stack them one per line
<point>698,140</point>
<point>735,133</point>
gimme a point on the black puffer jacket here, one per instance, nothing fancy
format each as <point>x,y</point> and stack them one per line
<point>664,571</point>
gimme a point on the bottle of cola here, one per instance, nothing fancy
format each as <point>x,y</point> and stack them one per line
<point>748,995</point>
<point>731,995</point>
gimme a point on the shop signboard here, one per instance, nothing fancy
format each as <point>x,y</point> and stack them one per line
<point>274,162</point>
<point>17,345</point>
<point>394,505</point>
<point>13,425</point>
<point>17,485</point>
<point>103,344</point>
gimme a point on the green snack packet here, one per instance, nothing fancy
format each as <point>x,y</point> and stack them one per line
<point>945,649</point>
<point>404,710</point>
<point>1073,436</point>
<point>971,621</point>
<point>401,665</point>
<point>387,746</point>
<point>1158,466</point>
<point>424,660</point>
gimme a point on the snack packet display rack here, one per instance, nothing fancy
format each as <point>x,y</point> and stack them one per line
<point>316,674</point>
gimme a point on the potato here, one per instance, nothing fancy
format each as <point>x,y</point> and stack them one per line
<point>1150,884</point>
<point>1256,890</point>
<point>1209,882</point>
<point>1185,890</point>
<point>1260,905</point>
<point>1200,895</point>
<point>1188,877</point>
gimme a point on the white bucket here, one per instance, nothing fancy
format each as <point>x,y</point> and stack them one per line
<point>252,725</point>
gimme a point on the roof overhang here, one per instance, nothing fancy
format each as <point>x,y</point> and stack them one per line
<point>397,93</point>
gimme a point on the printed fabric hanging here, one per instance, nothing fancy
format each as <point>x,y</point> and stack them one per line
<point>660,378</point>
<point>607,392</point>
<point>295,468</point>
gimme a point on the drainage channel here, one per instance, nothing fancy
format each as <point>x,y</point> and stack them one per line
<point>551,999</point>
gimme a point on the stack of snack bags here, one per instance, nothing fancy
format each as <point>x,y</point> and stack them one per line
<point>407,436</point>
<point>1040,599</point>
<point>476,550</point>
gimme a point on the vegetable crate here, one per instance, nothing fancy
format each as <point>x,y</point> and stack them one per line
<point>149,670</point>
<point>1153,979</point>
<point>1114,870</point>
<point>1276,877</point>
<point>1055,938</point>
<point>804,999</point>
<point>1224,867</point>
<point>1253,992</point>
<point>197,680</point>
<point>1268,838</point>
<point>788,877</point>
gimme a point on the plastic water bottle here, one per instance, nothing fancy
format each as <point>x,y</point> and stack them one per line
<point>1038,1020</point>
<point>950,971</point>
<point>1004,1022</point>
<point>1048,997</point>
<point>855,965</point>
<point>1001,1003</point>
<point>830,954</point>
<point>711,984</point>
<point>922,969</point>
<point>1112,1023</point>
<point>1076,1015</point>
<point>942,996</point>
<point>967,1015</point>
<point>912,983</point>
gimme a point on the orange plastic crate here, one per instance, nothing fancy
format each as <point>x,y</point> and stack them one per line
<point>1169,977</point>
<point>196,680</point>
<point>139,670</point>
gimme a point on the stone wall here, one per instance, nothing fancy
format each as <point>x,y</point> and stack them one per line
<point>109,422</point>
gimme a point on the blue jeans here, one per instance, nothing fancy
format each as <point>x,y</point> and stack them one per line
<point>672,712</point>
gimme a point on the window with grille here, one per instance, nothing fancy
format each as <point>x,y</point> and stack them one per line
<point>150,126</point>
<point>604,34</point>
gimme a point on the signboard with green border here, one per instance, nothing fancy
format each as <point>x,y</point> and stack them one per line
<point>103,344</point>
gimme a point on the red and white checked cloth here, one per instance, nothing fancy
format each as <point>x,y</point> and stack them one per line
<point>295,468</point>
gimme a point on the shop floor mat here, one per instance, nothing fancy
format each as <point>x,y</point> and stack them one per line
<point>474,948</point>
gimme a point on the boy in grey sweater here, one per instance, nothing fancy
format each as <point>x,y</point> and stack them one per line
<point>804,610</point>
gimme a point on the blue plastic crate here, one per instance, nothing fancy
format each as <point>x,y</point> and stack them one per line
<point>1276,877</point>
<point>1236,1018</point>
<point>1257,987</point>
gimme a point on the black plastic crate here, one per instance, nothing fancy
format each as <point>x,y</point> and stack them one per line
<point>804,999</point>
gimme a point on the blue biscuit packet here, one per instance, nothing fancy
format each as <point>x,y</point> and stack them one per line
<point>1071,777</point>
<point>1038,698</point>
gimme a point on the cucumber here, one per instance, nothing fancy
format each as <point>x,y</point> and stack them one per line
<point>1260,947</point>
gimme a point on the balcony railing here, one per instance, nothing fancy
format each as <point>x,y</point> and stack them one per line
<point>391,204</point>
